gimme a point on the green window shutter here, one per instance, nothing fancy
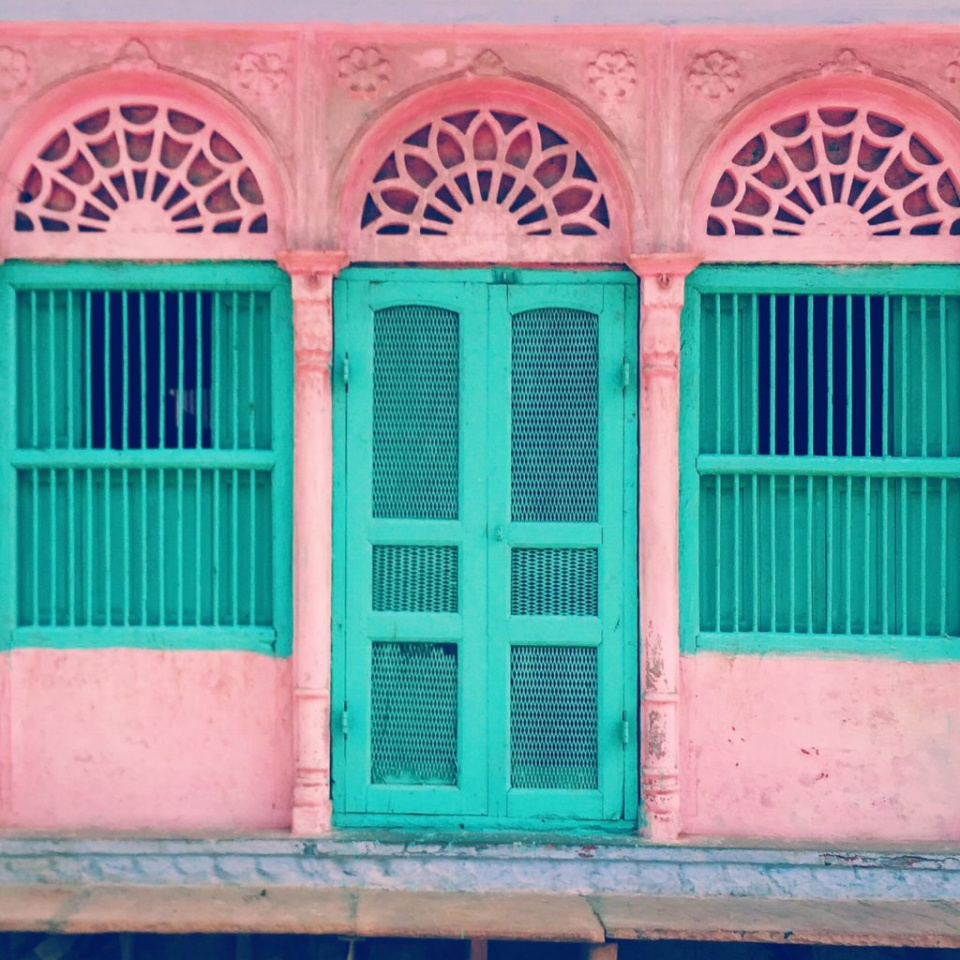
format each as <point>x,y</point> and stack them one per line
<point>151,456</point>
<point>479,563</point>
<point>820,443</point>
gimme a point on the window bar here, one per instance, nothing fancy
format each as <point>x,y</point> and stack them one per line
<point>125,503</point>
<point>848,450</point>
<point>235,367</point>
<point>755,448</point>
<point>161,526</point>
<point>736,374</point>
<point>736,450</point>
<point>717,568</point>
<point>792,431</point>
<point>903,556</point>
<point>71,547</point>
<point>54,386</point>
<point>143,370</point>
<point>234,528</point>
<point>144,583</point>
<point>943,453</point>
<point>71,472</point>
<point>215,378</point>
<point>904,368</point>
<point>125,423</point>
<point>216,438</point>
<point>216,549</point>
<point>943,376</point>
<point>107,379</point>
<point>144,526</point>
<point>943,555</point>
<point>924,451</point>
<point>718,313</point>
<point>180,408</point>
<point>885,559</point>
<point>885,450</point>
<point>88,317</point>
<point>162,381</point>
<point>34,375</point>
<point>253,547</point>
<point>35,483</point>
<point>755,550</point>
<point>107,549</point>
<point>251,373</point>
<point>180,563</point>
<point>198,393</point>
<point>88,494</point>
<point>830,452</point>
<point>71,409</point>
<point>811,432</point>
<point>198,493</point>
<point>868,450</point>
<point>54,591</point>
<point>867,578</point>
<point>125,426</point>
<point>198,549</point>
<point>772,429</point>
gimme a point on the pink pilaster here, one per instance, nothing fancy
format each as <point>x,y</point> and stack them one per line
<point>661,292</point>
<point>312,274</point>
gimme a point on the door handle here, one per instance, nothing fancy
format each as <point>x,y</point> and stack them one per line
<point>498,532</point>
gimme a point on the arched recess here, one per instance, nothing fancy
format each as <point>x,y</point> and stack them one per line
<point>485,170</point>
<point>138,164</point>
<point>838,169</point>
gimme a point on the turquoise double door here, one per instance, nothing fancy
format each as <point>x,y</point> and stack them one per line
<point>485,548</point>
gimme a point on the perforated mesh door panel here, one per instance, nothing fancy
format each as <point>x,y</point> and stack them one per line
<point>415,579</point>
<point>416,413</point>
<point>555,409</point>
<point>553,718</point>
<point>553,582</point>
<point>413,716</point>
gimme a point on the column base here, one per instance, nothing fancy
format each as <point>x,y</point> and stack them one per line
<point>312,821</point>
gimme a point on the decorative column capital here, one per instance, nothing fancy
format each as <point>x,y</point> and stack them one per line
<point>311,274</point>
<point>662,277</point>
<point>311,271</point>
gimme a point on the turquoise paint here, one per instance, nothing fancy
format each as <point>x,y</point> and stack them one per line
<point>482,631</point>
<point>157,568</point>
<point>861,574</point>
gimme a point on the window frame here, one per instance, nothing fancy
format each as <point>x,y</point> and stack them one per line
<point>215,277</point>
<point>772,279</point>
<point>494,279</point>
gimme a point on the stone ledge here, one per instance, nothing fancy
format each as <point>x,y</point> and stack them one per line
<point>557,917</point>
<point>495,864</point>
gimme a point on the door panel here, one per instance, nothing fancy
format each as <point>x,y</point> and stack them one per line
<point>481,650</point>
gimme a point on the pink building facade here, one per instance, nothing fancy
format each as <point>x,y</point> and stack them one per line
<point>668,152</point>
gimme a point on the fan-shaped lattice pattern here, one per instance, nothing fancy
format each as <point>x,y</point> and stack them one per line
<point>837,171</point>
<point>453,173</point>
<point>142,168</point>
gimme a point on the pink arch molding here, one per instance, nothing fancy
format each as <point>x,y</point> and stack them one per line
<point>486,170</point>
<point>138,164</point>
<point>837,169</point>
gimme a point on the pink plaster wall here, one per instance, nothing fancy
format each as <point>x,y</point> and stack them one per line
<point>143,739</point>
<point>820,750</point>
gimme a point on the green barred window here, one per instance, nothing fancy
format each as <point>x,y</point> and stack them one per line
<point>149,446</point>
<point>821,461</point>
